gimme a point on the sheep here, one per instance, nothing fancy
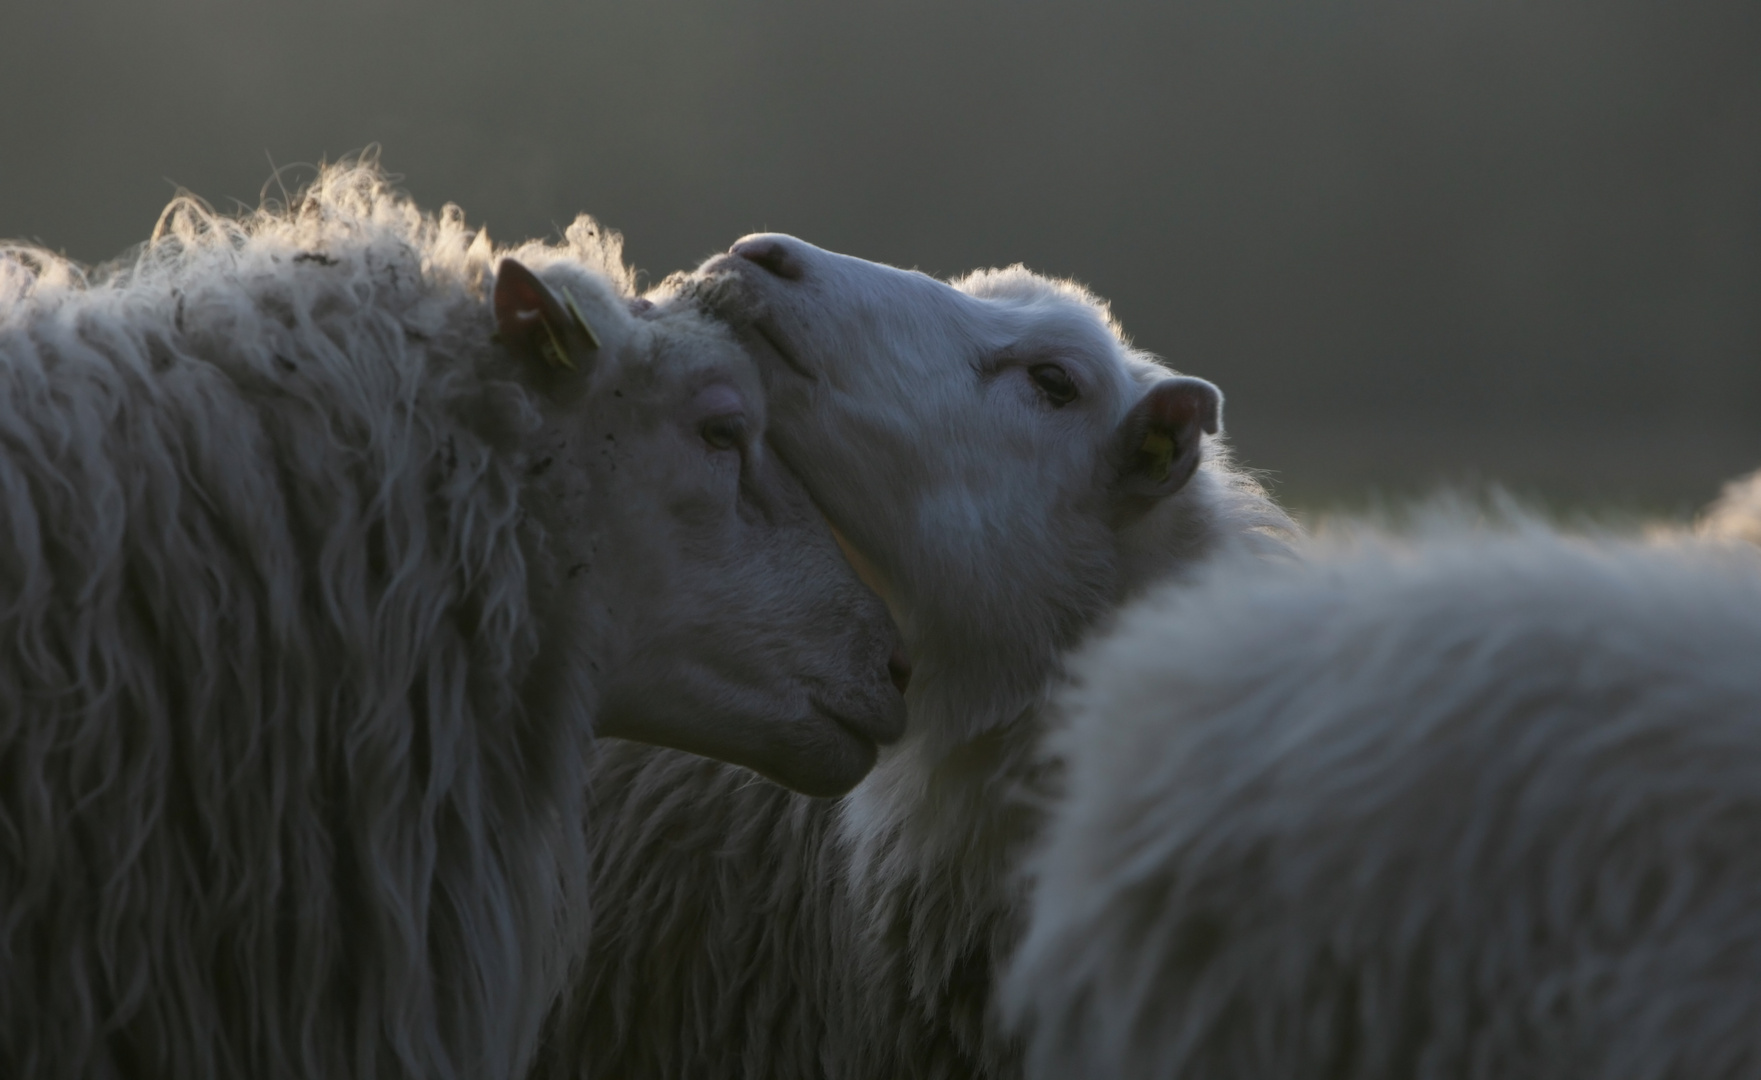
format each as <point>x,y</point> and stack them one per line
<point>313,595</point>
<point>1006,470</point>
<point>1736,515</point>
<point>1457,803</point>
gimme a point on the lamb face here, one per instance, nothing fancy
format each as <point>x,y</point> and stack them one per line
<point>727,622</point>
<point>992,447</point>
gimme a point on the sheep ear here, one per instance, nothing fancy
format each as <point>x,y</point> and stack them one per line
<point>533,322</point>
<point>1156,447</point>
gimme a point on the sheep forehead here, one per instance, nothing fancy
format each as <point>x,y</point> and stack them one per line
<point>684,350</point>
<point>1058,312</point>
<point>696,350</point>
<point>928,343</point>
<point>919,306</point>
<point>1017,286</point>
<point>1060,329</point>
<point>1018,281</point>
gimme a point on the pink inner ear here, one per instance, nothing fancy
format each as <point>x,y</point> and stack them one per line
<point>517,301</point>
<point>520,301</point>
<point>1174,408</point>
<point>1182,403</point>
<point>718,399</point>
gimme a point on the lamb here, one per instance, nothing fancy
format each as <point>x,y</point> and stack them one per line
<point>313,596</point>
<point>1008,471</point>
<point>1454,803</point>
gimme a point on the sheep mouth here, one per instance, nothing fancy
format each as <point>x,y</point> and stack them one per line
<point>825,761</point>
<point>875,732</point>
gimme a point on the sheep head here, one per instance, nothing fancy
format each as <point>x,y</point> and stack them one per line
<point>1007,464</point>
<point>719,616</point>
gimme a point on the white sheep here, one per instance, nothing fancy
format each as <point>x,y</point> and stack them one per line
<point>1458,803</point>
<point>312,593</point>
<point>1009,470</point>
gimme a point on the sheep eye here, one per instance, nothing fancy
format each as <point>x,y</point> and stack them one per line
<point>724,432</point>
<point>1055,383</point>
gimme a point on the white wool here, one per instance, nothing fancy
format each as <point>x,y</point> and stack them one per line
<point>313,593</point>
<point>755,933</point>
<point>268,631</point>
<point>1459,801</point>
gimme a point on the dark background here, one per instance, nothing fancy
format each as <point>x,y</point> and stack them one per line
<point>1413,240</point>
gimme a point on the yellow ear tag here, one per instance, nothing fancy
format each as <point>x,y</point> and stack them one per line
<point>1161,448</point>
<point>581,321</point>
<point>552,350</point>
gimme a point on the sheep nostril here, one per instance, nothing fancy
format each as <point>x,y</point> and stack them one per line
<point>899,668</point>
<point>773,255</point>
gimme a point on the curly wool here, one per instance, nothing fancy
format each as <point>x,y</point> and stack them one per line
<point>1460,803</point>
<point>277,794</point>
<point>746,931</point>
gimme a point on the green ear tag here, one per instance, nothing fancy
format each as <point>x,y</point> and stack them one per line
<point>581,321</point>
<point>1160,448</point>
<point>552,350</point>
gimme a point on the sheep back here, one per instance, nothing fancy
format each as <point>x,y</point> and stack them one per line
<point>1461,805</point>
<point>272,802</point>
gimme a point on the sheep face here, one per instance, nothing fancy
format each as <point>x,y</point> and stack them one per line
<point>723,618</point>
<point>991,447</point>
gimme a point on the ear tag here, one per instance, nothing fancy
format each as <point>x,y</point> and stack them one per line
<point>581,322</point>
<point>1160,448</point>
<point>552,350</point>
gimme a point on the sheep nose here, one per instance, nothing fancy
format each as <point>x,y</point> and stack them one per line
<point>771,253</point>
<point>899,667</point>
